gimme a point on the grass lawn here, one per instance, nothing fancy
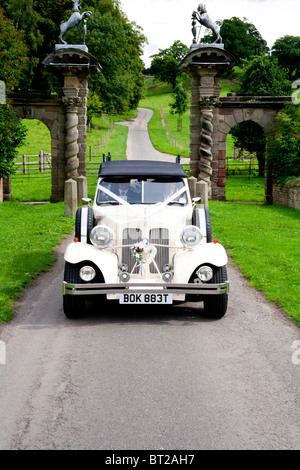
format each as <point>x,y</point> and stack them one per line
<point>245,189</point>
<point>28,235</point>
<point>264,241</point>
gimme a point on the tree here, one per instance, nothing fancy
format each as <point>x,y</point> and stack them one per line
<point>12,134</point>
<point>114,41</point>
<point>13,53</point>
<point>178,51</point>
<point>164,65</point>
<point>166,69</point>
<point>13,61</point>
<point>39,22</point>
<point>117,44</point>
<point>249,136</point>
<point>283,146</point>
<point>180,102</point>
<point>262,75</point>
<point>287,51</point>
<point>241,38</point>
<point>94,106</point>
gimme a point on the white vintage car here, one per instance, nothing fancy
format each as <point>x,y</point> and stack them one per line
<point>143,241</point>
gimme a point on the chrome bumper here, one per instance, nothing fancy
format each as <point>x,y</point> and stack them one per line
<point>98,289</point>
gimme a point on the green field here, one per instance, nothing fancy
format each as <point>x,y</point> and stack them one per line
<point>28,235</point>
<point>263,240</point>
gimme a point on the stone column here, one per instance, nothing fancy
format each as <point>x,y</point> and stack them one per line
<point>205,64</point>
<point>195,125</point>
<point>73,66</point>
<point>206,141</point>
<point>7,196</point>
<point>71,103</point>
<point>82,127</point>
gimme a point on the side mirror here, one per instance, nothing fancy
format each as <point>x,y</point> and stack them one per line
<point>194,200</point>
<point>87,200</point>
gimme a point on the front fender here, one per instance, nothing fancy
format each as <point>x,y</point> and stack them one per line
<point>186,261</point>
<point>106,261</point>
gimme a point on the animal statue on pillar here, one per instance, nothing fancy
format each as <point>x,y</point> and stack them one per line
<point>73,21</point>
<point>202,17</point>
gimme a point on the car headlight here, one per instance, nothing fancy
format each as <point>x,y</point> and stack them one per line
<point>101,236</point>
<point>205,273</point>
<point>191,236</point>
<point>87,273</point>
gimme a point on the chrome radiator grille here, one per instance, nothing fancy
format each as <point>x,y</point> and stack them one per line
<point>161,237</point>
<point>130,237</point>
<point>156,236</point>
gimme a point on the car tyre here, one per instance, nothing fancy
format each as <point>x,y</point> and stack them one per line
<point>196,221</point>
<point>80,220</point>
<point>74,305</point>
<point>215,306</point>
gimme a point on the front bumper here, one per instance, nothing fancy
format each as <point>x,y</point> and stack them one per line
<point>146,288</point>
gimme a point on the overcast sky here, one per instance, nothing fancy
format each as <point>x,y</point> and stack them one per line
<point>165,21</point>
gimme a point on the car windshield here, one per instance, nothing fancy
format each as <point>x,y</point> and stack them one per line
<point>141,191</point>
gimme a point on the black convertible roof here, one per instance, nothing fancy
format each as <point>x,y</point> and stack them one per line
<point>146,168</point>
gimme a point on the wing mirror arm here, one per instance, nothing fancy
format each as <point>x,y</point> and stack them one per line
<point>195,200</point>
<point>87,200</point>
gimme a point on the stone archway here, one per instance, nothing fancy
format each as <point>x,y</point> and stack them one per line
<point>49,110</point>
<point>232,110</point>
<point>212,117</point>
<point>64,113</point>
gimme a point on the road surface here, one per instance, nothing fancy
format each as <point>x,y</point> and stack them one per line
<point>139,145</point>
<point>148,379</point>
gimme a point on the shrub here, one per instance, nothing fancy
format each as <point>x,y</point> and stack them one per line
<point>12,134</point>
<point>283,159</point>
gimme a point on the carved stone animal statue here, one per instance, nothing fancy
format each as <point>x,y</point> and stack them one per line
<point>73,21</point>
<point>203,18</point>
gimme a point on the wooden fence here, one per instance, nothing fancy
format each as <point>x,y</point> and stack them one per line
<point>96,147</point>
<point>169,133</point>
<point>27,163</point>
<point>246,165</point>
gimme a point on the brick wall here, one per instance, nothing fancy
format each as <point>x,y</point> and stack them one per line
<point>288,196</point>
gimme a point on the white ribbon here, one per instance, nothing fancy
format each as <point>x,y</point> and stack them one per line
<point>148,255</point>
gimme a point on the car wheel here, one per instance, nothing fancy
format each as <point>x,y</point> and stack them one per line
<point>208,226</point>
<point>199,221</point>
<point>215,306</point>
<point>74,305</point>
<point>84,222</point>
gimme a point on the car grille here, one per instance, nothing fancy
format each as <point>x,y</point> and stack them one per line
<point>156,236</point>
<point>161,237</point>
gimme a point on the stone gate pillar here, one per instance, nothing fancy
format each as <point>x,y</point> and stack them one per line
<point>205,64</point>
<point>73,66</point>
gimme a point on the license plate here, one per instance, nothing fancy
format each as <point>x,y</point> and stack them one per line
<point>146,299</point>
